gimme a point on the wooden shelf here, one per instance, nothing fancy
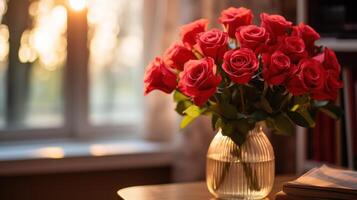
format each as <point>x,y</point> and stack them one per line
<point>344,45</point>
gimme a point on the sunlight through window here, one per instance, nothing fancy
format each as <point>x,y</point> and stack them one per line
<point>116,45</point>
<point>78,4</point>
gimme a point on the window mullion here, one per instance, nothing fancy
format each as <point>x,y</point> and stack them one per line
<point>76,73</point>
<point>18,74</point>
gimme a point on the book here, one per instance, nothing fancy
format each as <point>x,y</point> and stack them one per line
<point>324,182</point>
<point>323,139</point>
<point>283,196</point>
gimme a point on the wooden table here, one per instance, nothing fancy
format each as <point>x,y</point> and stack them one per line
<point>184,191</point>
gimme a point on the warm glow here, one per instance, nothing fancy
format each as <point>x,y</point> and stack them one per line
<point>109,41</point>
<point>46,40</point>
<point>4,42</point>
<point>78,4</point>
<point>50,152</point>
<point>4,33</point>
<point>98,150</point>
<point>111,149</point>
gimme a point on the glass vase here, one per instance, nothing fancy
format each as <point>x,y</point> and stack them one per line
<point>241,172</point>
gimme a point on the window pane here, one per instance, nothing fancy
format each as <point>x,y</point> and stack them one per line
<point>116,47</point>
<point>31,71</point>
<point>4,51</point>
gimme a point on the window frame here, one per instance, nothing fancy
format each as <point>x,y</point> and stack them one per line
<point>75,94</point>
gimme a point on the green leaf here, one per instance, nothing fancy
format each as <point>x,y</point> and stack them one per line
<point>242,128</point>
<point>237,130</point>
<point>218,123</point>
<point>186,120</point>
<point>227,129</point>
<point>259,115</point>
<point>285,101</point>
<point>193,111</point>
<point>178,96</point>
<point>226,96</point>
<point>239,137</point>
<point>265,104</point>
<point>295,107</point>
<point>332,110</point>
<point>181,106</point>
<point>301,117</point>
<point>214,120</point>
<point>300,100</point>
<point>228,111</point>
<point>283,125</point>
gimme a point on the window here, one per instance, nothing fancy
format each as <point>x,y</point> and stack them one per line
<point>115,60</point>
<point>70,67</point>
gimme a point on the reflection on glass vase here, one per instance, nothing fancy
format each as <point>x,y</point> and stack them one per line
<point>241,172</point>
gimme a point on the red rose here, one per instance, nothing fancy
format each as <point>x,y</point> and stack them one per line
<point>276,25</point>
<point>177,55</point>
<point>277,68</point>
<point>189,31</point>
<point>329,91</point>
<point>199,80</point>
<point>232,18</point>
<point>294,47</point>
<point>310,77</point>
<point>240,65</point>
<point>213,43</point>
<point>308,34</point>
<point>160,77</point>
<point>329,60</point>
<point>253,37</point>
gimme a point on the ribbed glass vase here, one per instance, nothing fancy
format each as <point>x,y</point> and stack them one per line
<point>241,172</point>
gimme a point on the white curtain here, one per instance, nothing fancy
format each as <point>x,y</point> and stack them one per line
<point>160,22</point>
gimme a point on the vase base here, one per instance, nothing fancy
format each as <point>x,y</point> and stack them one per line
<point>234,197</point>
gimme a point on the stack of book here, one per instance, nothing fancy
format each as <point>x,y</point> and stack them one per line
<point>321,183</point>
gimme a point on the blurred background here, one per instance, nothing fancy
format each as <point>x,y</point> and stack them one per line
<point>73,120</point>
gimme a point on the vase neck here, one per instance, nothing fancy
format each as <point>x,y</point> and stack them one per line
<point>258,128</point>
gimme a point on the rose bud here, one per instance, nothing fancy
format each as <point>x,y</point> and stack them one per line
<point>199,80</point>
<point>160,77</point>
<point>309,78</point>
<point>240,65</point>
<point>189,31</point>
<point>294,47</point>
<point>213,43</point>
<point>308,34</point>
<point>329,91</point>
<point>329,60</point>
<point>277,68</point>
<point>177,55</point>
<point>252,37</point>
<point>232,18</point>
<point>276,25</point>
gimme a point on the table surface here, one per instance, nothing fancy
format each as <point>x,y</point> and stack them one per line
<point>187,191</point>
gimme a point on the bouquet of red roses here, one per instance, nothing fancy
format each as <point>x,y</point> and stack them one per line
<point>248,73</point>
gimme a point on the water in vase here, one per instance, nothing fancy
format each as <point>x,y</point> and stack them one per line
<point>238,180</point>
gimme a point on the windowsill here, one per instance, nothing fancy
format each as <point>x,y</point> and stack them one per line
<point>69,155</point>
